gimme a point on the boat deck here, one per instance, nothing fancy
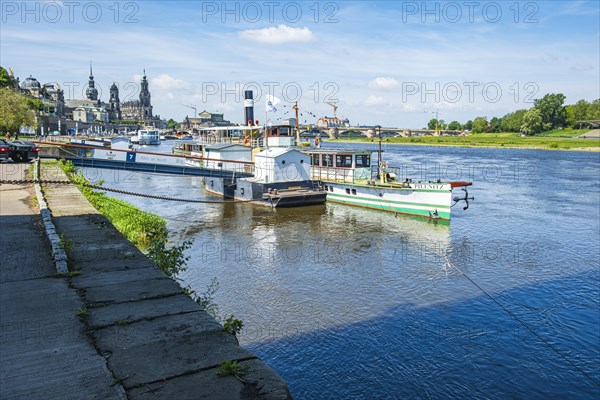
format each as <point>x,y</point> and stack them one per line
<point>295,196</point>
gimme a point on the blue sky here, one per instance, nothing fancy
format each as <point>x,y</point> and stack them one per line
<point>389,63</point>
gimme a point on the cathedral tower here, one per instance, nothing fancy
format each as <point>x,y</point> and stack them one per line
<point>91,92</point>
<point>115,103</point>
<point>145,103</point>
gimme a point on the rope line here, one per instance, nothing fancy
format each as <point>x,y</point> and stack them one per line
<point>511,314</point>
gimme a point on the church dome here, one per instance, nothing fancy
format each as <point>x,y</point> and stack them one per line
<point>31,83</point>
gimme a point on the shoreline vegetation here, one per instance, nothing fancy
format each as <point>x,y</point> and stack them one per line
<point>141,228</point>
<point>564,139</point>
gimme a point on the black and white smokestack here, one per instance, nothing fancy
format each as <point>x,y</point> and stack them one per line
<point>248,107</point>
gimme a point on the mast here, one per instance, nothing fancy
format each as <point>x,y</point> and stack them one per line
<point>296,108</point>
<point>381,172</point>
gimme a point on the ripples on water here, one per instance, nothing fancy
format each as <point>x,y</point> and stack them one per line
<point>352,303</point>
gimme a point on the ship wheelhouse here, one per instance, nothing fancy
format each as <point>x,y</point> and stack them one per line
<point>340,165</point>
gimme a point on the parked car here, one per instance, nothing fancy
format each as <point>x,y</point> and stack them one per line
<point>3,150</point>
<point>21,150</point>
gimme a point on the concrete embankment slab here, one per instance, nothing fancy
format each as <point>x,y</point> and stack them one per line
<point>139,310</point>
<point>132,334</point>
<point>158,342</point>
<point>45,351</point>
<point>124,275</point>
<point>114,265</point>
<point>261,383</point>
<point>136,290</point>
<point>108,250</point>
<point>25,328</point>
<point>175,357</point>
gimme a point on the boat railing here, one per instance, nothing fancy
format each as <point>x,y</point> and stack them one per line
<point>225,165</point>
<point>326,173</point>
<point>213,139</point>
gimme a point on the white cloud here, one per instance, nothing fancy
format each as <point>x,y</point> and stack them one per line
<point>376,101</point>
<point>408,108</point>
<point>384,83</point>
<point>582,67</point>
<point>281,34</point>
<point>167,82</point>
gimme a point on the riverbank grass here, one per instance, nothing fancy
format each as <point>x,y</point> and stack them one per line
<point>139,227</point>
<point>560,139</point>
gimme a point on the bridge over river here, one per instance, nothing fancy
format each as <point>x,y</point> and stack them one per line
<point>371,131</point>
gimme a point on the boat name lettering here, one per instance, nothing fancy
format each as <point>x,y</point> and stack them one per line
<point>435,186</point>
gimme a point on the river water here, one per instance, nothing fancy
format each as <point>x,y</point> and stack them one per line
<point>346,303</point>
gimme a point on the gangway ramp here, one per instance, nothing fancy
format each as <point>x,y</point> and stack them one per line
<point>143,161</point>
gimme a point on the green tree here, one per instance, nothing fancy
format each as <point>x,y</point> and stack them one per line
<point>468,125</point>
<point>512,122</point>
<point>34,104</point>
<point>172,124</point>
<point>532,122</point>
<point>15,111</point>
<point>5,80</point>
<point>454,126</point>
<point>593,111</point>
<point>580,110</point>
<point>433,124</point>
<point>570,119</point>
<point>480,125</point>
<point>552,110</point>
<point>496,124</point>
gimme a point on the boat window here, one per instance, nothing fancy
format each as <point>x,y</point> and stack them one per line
<point>354,192</point>
<point>363,161</point>
<point>331,188</point>
<point>343,161</point>
<point>314,159</point>
<point>347,191</point>
<point>327,160</point>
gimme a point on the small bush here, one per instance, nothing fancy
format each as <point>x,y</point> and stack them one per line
<point>233,326</point>
<point>232,368</point>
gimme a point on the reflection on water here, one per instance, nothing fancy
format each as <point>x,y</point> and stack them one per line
<point>293,267</point>
<point>353,303</point>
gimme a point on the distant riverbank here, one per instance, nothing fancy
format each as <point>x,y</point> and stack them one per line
<point>555,140</point>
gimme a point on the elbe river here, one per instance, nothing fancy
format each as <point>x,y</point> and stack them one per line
<point>350,303</point>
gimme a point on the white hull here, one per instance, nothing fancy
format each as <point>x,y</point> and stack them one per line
<point>424,200</point>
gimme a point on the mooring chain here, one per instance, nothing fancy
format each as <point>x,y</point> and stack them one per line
<point>91,186</point>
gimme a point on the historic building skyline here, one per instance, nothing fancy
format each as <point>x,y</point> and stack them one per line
<point>91,108</point>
